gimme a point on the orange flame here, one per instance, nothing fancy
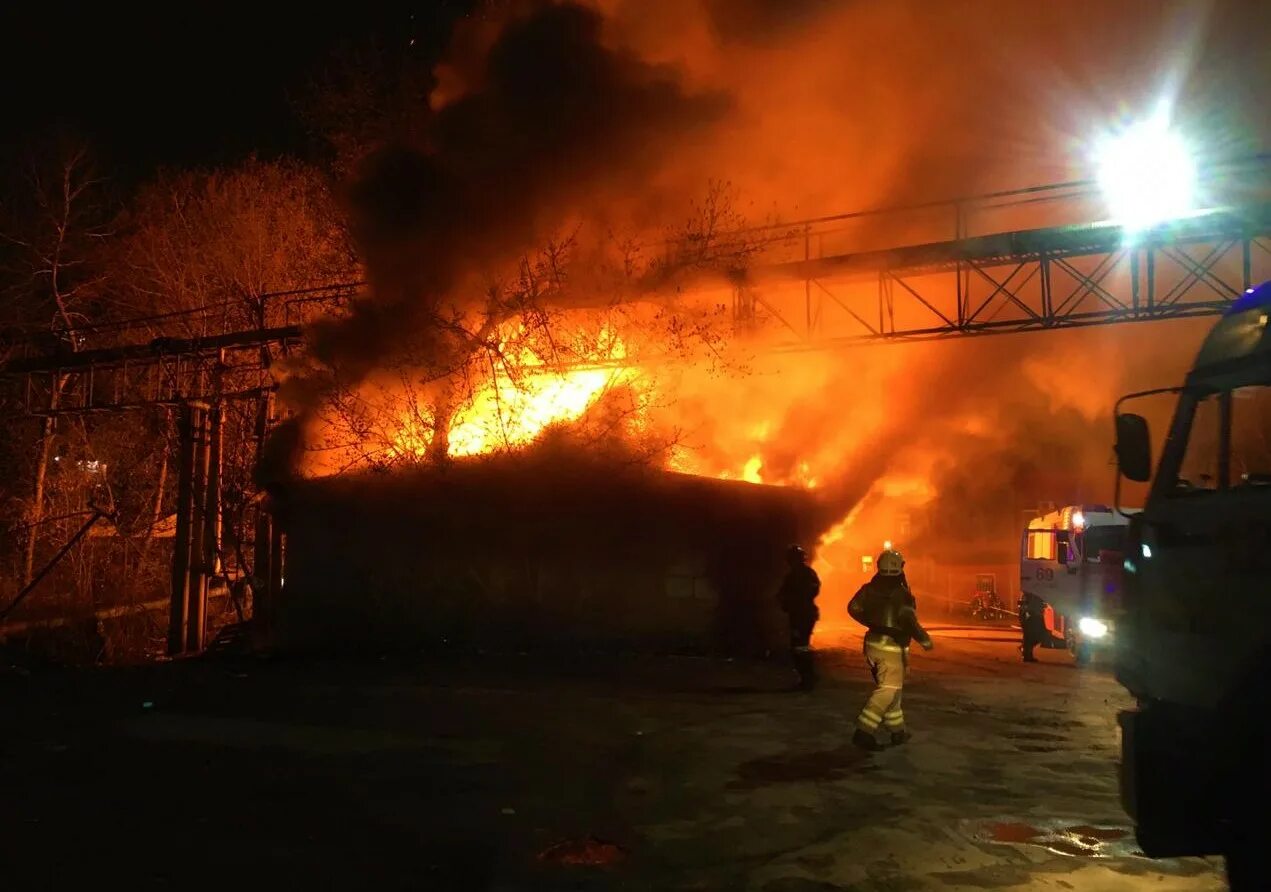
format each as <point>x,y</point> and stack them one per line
<point>512,408</point>
<point>506,413</point>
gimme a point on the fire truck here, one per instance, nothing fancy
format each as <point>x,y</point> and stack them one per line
<point>1070,560</point>
<point>1194,640</point>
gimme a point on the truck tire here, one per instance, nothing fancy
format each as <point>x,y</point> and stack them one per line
<point>1245,858</point>
<point>1245,849</point>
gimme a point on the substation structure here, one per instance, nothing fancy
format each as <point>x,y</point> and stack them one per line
<point>195,377</point>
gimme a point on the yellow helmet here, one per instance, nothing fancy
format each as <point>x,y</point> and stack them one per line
<point>891,563</point>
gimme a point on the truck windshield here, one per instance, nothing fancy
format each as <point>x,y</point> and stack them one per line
<point>1251,436</point>
<point>1097,539</point>
<point>1229,444</point>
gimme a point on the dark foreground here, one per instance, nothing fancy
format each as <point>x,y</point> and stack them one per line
<point>503,773</point>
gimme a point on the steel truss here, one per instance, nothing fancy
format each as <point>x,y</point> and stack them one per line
<point>1019,260</point>
<point>1064,277</point>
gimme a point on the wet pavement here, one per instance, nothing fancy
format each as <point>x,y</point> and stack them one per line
<point>636,773</point>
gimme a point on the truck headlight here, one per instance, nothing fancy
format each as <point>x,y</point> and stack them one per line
<point>1092,628</point>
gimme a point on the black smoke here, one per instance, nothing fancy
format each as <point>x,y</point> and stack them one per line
<point>550,122</point>
<point>553,120</point>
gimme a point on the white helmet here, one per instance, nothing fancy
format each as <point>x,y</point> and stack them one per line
<point>891,563</point>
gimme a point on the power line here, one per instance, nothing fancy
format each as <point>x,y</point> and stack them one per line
<point>245,301</point>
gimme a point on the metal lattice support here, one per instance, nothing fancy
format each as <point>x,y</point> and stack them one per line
<point>1023,281</point>
<point>167,373</point>
<point>131,373</point>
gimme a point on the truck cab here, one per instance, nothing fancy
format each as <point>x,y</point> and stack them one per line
<point>1195,635</point>
<point>1070,560</point>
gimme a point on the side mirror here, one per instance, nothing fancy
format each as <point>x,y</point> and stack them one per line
<point>1063,549</point>
<point>1134,448</point>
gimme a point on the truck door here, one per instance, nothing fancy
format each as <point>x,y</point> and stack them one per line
<point>1039,565</point>
<point>1205,552</point>
<point>1094,547</point>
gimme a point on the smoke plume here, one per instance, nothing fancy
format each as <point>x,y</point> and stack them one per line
<point>550,118</point>
<point>552,113</point>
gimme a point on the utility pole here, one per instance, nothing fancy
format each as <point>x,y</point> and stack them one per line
<point>189,419</point>
<point>198,524</point>
<point>263,551</point>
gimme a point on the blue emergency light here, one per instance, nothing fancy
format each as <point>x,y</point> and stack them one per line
<point>1253,298</point>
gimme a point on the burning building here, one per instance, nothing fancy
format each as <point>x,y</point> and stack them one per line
<point>503,307</point>
<point>542,547</point>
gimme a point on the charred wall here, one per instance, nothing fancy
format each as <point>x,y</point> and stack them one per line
<point>504,553</point>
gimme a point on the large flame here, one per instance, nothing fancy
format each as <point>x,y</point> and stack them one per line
<point>519,398</point>
<point>506,413</point>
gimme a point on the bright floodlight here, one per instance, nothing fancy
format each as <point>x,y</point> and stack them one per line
<point>1146,172</point>
<point>1091,627</point>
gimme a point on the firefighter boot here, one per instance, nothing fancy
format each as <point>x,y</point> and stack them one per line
<point>1026,647</point>
<point>805,665</point>
<point>899,737</point>
<point>865,740</point>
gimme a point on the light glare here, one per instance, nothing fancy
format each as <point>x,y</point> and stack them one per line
<point>1146,173</point>
<point>1092,628</point>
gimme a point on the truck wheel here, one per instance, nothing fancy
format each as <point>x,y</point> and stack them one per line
<point>1245,848</point>
<point>1245,860</point>
<point>1239,871</point>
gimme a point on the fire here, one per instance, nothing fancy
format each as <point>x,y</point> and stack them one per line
<point>518,399</point>
<point>506,413</point>
<point>837,532</point>
<point>753,472</point>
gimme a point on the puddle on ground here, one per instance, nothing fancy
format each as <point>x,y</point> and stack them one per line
<point>1060,837</point>
<point>795,767</point>
<point>589,852</point>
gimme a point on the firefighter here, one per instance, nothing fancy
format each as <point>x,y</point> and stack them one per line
<point>797,597</point>
<point>887,607</point>
<point>1032,624</point>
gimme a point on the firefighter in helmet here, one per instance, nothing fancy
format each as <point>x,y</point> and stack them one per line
<point>1032,623</point>
<point>886,606</point>
<point>797,598</point>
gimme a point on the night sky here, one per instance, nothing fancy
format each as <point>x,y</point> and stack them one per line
<point>185,84</point>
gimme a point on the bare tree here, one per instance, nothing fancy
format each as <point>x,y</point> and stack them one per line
<point>55,227</point>
<point>715,238</point>
<point>209,251</point>
<point>219,241</point>
<point>193,253</point>
<point>54,281</point>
